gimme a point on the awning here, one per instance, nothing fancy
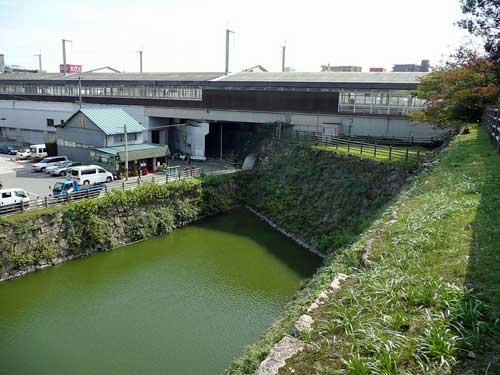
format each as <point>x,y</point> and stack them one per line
<point>136,152</point>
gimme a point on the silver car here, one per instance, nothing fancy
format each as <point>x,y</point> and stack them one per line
<point>63,170</point>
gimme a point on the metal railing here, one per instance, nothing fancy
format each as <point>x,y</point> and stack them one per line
<point>372,150</point>
<point>403,141</point>
<point>491,120</point>
<point>94,192</point>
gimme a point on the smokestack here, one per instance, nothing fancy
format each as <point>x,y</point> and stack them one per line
<point>2,62</point>
<point>283,57</point>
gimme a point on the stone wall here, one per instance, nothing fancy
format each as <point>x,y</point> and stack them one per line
<point>38,240</point>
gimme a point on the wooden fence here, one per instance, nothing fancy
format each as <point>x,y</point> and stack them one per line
<point>491,120</point>
<point>46,202</point>
<point>350,146</point>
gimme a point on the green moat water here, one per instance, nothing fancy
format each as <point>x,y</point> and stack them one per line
<point>186,303</point>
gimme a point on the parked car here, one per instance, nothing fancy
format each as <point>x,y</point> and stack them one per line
<point>57,165</point>
<point>38,152</point>
<point>40,167</point>
<point>90,174</point>
<point>64,169</point>
<point>68,187</point>
<point>8,149</point>
<point>13,196</point>
<point>23,154</point>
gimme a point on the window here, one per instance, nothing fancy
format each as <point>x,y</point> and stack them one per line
<point>7,194</point>
<point>21,194</point>
<point>118,138</point>
<point>50,122</point>
<point>101,170</point>
<point>89,171</point>
<point>132,137</point>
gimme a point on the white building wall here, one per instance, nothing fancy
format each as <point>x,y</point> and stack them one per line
<point>190,139</point>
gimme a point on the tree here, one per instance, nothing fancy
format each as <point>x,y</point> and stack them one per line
<point>457,92</point>
<point>483,20</point>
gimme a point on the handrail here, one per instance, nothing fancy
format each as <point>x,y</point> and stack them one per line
<point>361,147</point>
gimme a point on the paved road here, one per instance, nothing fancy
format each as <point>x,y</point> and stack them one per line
<point>20,175</point>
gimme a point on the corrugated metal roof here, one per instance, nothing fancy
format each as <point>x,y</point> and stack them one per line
<point>326,77</point>
<point>112,120</point>
<point>189,76</point>
<point>133,147</point>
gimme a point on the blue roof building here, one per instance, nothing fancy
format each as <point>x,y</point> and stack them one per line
<point>97,136</point>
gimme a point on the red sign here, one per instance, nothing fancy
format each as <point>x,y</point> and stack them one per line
<point>377,70</point>
<point>70,68</point>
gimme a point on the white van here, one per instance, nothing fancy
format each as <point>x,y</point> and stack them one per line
<point>90,174</point>
<point>12,196</point>
<point>38,152</point>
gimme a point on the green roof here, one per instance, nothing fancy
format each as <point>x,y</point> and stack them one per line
<point>137,151</point>
<point>112,120</point>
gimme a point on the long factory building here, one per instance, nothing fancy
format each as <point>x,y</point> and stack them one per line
<point>333,103</point>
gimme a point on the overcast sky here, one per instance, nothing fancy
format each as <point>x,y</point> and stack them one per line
<point>189,35</point>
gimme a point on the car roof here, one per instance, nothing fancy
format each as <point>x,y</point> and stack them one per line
<point>11,190</point>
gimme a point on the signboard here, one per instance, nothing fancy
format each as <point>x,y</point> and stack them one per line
<point>70,68</point>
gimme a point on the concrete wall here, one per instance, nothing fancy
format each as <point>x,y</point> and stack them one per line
<point>191,139</point>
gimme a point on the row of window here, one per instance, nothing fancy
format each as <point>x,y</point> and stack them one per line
<point>379,102</point>
<point>119,138</point>
<point>167,92</point>
<point>51,122</point>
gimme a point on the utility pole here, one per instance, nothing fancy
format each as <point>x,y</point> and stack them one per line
<point>65,67</point>
<point>39,61</point>
<point>80,91</point>
<point>140,60</point>
<point>226,71</point>
<point>283,47</point>
<point>126,151</point>
<point>221,141</point>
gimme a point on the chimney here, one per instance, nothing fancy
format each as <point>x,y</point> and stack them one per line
<point>2,62</point>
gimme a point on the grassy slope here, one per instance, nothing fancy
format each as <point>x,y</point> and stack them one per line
<point>430,303</point>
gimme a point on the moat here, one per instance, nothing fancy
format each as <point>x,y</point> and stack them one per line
<point>184,303</point>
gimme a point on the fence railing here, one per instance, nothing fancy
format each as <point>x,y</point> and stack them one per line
<point>349,146</point>
<point>94,192</point>
<point>491,120</point>
<point>403,141</point>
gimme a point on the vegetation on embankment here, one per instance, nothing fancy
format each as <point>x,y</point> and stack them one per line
<point>321,197</point>
<point>40,238</point>
<point>428,302</point>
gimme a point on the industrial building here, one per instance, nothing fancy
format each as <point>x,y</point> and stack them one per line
<point>341,68</point>
<point>423,67</point>
<point>192,106</point>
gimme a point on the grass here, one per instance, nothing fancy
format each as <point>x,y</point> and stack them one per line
<point>430,301</point>
<point>398,153</point>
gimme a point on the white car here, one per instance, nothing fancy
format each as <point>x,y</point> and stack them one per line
<point>13,196</point>
<point>40,167</point>
<point>90,174</point>
<point>23,154</point>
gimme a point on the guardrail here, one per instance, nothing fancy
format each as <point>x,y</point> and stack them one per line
<point>491,119</point>
<point>46,202</point>
<point>373,150</point>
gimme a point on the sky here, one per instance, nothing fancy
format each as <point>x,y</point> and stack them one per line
<point>189,35</point>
